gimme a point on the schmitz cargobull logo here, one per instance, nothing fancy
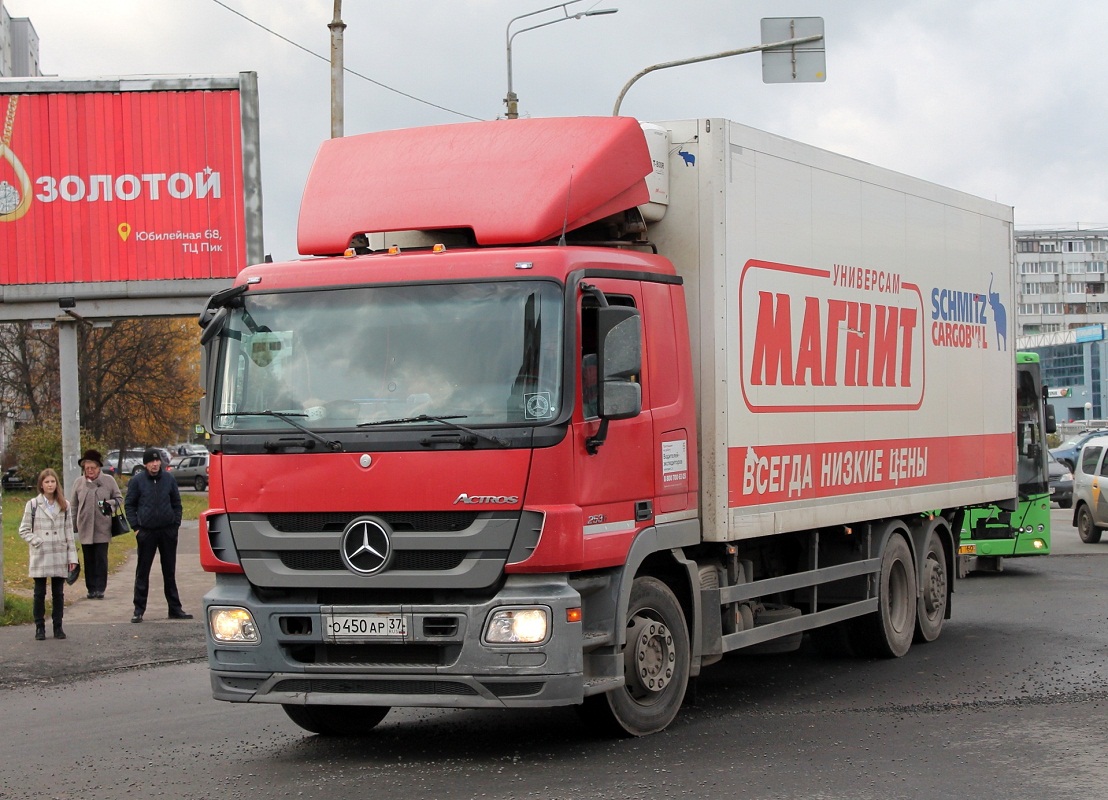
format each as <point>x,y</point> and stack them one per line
<point>845,339</point>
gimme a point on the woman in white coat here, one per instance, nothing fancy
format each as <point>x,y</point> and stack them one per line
<point>48,528</point>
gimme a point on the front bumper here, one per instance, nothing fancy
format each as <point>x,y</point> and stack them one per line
<point>442,661</point>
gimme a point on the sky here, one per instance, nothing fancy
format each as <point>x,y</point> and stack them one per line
<point>998,98</point>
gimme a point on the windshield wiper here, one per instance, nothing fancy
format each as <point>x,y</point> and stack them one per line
<point>443,420</point>
<point>331,444</point>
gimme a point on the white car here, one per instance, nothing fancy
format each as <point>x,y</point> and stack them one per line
<point>132,462</point>
<point>1090,490</point>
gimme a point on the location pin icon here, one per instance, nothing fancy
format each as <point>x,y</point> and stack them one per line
<point>124,231</point>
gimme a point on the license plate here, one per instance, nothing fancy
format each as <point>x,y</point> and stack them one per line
<point>967,550</point>
<point>351,627</point>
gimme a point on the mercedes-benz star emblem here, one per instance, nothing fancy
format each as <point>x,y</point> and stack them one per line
<point>365,546</point>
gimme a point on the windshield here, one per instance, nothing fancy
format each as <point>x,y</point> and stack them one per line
<point>489,353</point>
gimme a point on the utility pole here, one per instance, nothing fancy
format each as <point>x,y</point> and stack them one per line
<point>337,26</point>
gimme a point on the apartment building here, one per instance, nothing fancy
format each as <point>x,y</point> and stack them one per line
<point>18,46</point>
<point>1061,313</point>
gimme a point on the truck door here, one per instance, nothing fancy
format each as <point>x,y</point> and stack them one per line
<point>614,484</point>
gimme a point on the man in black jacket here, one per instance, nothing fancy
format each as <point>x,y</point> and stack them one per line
<point>153,507</point>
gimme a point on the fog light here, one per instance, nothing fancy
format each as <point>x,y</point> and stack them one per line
<point>1038,544</point>
<point>232,625</point>
<point>518,626</point>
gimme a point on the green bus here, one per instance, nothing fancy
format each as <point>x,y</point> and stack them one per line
<point>1022,526</point>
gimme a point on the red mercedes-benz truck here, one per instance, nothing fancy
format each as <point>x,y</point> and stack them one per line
<point>560,411</point>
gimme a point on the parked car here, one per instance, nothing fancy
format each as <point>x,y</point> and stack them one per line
<point>13,480</point>
<point>132,461</point>
<point>188,449</point>
<point>1067,451</point>
<point>1090,490</point>
<point>1061,483</point>
<point>192,471</point>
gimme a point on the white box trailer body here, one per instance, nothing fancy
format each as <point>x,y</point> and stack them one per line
<point>849,333</point>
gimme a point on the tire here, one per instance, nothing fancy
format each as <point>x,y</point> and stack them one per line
<point>337,720</point>
<point>1065,504</point>
<point>1086,528</point>
<point>888,632</point>
<point>200,484</point>
<point>934,591</point>
<point>656,665</point>
<point>137,469</point>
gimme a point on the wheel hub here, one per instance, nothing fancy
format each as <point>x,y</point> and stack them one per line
<point>934,594</point>
<point>650,657</point>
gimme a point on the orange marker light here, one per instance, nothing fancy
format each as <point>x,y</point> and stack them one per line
<point>573,615</point>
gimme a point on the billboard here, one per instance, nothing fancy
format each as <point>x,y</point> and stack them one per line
<point>120,189</point>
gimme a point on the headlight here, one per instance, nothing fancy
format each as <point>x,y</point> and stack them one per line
<point>235,625</point>
<point>518,626</point>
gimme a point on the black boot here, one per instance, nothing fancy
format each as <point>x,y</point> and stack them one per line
<point>58,632</point>
<point>40,631</point>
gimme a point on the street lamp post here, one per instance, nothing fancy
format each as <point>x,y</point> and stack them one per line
<point>511,101</point>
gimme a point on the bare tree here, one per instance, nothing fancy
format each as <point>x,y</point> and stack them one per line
<point>138,379</point>
<point>29,384</point>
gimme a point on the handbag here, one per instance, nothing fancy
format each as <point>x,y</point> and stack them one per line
<point>74,574</point>
<point>119,524</point>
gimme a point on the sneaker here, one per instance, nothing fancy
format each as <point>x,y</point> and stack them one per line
<point>179,615</point>
<point>137,617</point>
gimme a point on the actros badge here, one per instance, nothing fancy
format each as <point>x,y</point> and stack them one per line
<point>365,546</point>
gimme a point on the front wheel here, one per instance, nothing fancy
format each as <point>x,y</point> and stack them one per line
<point>655,664</point>
<point>1086,528</point>
<point>337,720</point>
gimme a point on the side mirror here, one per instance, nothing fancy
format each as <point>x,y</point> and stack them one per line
<point>619,362</point>
<point>1050,422</point>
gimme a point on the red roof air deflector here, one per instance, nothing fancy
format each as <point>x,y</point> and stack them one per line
<point>511,181</point>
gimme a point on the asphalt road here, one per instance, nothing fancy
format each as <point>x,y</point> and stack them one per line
<point>1009,703</point>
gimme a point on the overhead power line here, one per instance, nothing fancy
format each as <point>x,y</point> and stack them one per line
<point>356,74</point>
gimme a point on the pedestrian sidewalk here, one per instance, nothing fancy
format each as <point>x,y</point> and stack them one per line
<point>100,634</point>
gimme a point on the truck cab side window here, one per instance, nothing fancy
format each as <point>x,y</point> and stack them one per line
<point>589,351</point>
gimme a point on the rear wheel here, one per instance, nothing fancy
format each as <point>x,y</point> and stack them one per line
<point>137,469</point>
<point>655,664</point>
<point>931,606</point>
<point>337,720</point>
<point>888,632</point>
<point>1086,528</point>
<point>201,483</point>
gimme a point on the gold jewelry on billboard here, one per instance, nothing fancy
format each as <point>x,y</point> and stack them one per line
<point>14,201</point>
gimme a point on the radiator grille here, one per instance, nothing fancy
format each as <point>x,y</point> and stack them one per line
<point>402,560</point>
<point>416,521</point>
